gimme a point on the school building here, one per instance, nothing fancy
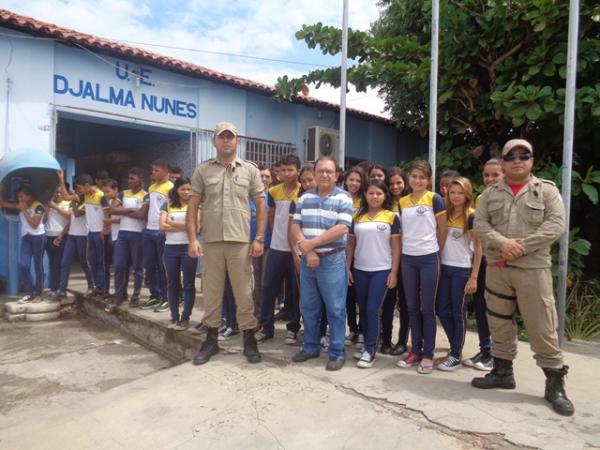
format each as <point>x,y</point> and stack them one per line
<point>100,104</point>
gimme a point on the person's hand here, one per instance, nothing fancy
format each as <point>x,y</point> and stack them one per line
<point>57,241</point>
<point>392,280</point>
<point>350,278</point>
<point>312,260</point>
<point>512,249</point>
<point>61,175</point>
<point>305,246</point>
<point>22,206</point>
<point>471,286</point>
<point>257,248</point>
<point>195,249</point>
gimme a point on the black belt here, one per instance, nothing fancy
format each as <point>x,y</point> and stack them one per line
<point>330,252</point>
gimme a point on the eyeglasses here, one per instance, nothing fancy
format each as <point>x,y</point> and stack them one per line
<point>513,156</point>
<point>326,172</point>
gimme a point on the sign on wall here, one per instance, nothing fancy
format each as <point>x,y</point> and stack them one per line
<point>117,86</point>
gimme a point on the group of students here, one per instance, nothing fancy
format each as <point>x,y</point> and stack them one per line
<point>409,248</point>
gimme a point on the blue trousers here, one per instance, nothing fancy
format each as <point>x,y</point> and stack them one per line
<point>128,252</point>
<point>451,306</point>
<point>279,267</point>
<point>326,283</point>
<point>229,308</point>
<point>395,297</point>
<point>178,262</point>
<point>32,249</point>
<point>74,245</point>
<point>420,275</point>
<point>371,290</point>
<point>54,253</point>
<point>153,245</point>
<point>95,255</point>
<point>108,259</point>
<point>483,329</point>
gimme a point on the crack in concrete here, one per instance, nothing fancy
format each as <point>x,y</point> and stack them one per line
<point>262,423</point>
<point>487,440</point>
<point>52,355</point>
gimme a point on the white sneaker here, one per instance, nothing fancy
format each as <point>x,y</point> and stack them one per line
<point>25,299</point>
<point>357,355</point>
<point>290,338</point>
<point>449,364</point>
<point>366,360</point>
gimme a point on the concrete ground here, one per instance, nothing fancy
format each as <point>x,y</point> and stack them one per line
<point>228,403</point>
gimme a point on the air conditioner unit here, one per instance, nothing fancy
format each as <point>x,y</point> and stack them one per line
<point>321,141</point>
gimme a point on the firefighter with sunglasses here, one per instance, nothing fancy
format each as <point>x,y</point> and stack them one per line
<point>517,220</point>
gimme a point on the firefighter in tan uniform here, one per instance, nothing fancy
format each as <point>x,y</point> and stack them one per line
<point>517,220</point>
<point>223,186</point>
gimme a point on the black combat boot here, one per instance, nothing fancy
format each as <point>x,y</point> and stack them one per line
<point>251,348</point>
<point>209,347</point>
<point>555,391</point>
<point>501,376</point>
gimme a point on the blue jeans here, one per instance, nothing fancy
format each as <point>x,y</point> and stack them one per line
<point>32,248</point>
<point>229,308</point>
<point>328,283</point>
<point>96,259</point>
<point>395,298</point>
<point>371,290</point>
<point>177,261</point>
<point>279,267</point>
<point>74,245</point>
<point>420,276</point>
<point>54,253</point>
<point>128,252</point>
<point>451,306</point>
<point>483,329</point>
<point>153,245</point>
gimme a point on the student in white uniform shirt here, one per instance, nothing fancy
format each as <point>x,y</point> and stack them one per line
<point>177,261</point>
<point>460,258</point>
<point>33,241</point>
<point>58,215</point>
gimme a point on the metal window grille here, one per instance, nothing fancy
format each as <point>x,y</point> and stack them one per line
<point>259,151</point>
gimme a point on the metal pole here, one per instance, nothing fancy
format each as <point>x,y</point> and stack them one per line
<point>433,83</point>
<point>343,83</point>
<point>563,255</point>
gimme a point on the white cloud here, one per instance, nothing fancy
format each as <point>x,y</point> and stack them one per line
<point>263,28</point>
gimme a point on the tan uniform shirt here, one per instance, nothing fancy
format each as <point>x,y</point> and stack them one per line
<point>224,193</point>
<point>536,215</point>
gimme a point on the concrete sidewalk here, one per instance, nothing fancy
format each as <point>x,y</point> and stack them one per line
<point>278,404</point>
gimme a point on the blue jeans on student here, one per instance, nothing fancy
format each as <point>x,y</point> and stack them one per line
<point>32,249</point>
<point>483,329</point>
<point>54,253</point>
<point>279,267</point>
<point>128,252</point>
<point>176,262</point>
<point>96,259</point>
<point>394,298</point>
<point>371,290</point>
<point>420,275</point>
<point>153,245</point>
<point>74,245</point>
<point>451,306</point>
<point>108,259</point>
<point>229,308</point>
<point>328,283</point>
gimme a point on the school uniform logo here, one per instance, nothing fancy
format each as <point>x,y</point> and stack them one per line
<point>456,234</point>
<point>382,227</point>
<point>421,210</point>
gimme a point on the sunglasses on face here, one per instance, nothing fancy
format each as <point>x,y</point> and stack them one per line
<point>513,156</point>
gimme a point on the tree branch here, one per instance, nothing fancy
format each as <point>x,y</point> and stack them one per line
<point>512,51</point>
<point>464,8</point>
<point>468,97</point>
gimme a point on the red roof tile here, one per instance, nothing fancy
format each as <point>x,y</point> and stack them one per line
<point>38,28</point>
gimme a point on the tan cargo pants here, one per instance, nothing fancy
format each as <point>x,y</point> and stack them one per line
<point>233,258</point>
<point>530,290</point>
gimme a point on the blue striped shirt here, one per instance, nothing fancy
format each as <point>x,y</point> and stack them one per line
<point>315,215</point>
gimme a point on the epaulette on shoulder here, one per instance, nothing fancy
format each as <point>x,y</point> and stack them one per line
<point>550,182</point>
<point>250,162</point>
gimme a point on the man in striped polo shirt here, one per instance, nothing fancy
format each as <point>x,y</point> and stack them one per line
<point>321,222</point>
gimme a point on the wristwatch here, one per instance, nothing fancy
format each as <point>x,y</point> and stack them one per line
<point>260,239</point>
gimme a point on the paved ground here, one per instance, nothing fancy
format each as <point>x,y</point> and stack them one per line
<point>275,405</point>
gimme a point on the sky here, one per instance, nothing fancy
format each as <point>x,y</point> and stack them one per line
<point>261,28</point>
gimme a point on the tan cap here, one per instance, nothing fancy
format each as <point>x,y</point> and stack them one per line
<point>225,126</point>
<point>513,143</point>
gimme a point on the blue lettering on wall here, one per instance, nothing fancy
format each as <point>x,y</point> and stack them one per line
<point>87,90</point>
